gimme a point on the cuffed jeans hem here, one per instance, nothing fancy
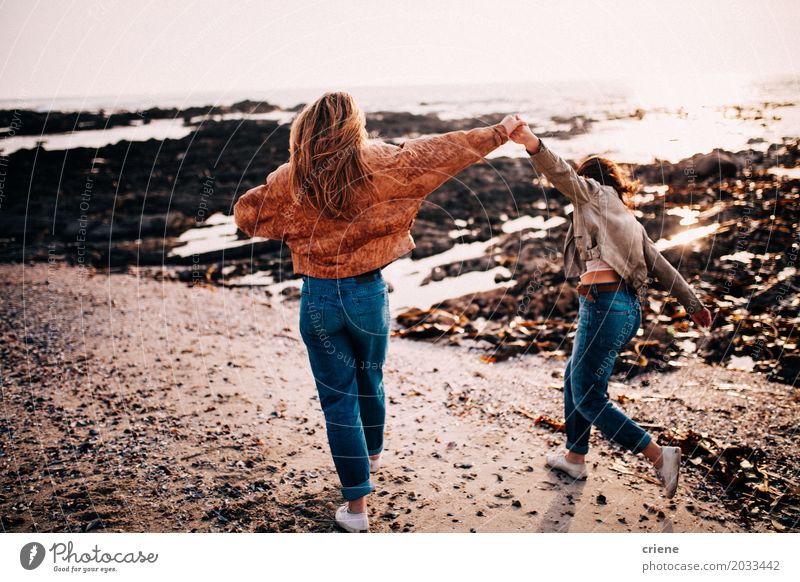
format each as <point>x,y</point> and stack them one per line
<point>373,452</point>
<point>577,449</point>
<point>642,444</point>
<point>353,493</point>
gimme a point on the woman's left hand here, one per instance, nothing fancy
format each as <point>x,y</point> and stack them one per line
<point>511,123</point>
<point>702,317</point>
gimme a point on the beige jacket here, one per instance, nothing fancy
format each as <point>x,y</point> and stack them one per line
<point>603,228</point>
<point>402,177</point>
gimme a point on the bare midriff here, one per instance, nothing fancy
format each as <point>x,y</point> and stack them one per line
<point>604,276</point>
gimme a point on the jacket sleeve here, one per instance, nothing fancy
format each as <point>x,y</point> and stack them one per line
<point>669,277</point>
<point>578,189</point>
<point>425,163</point>
<point>258,211</point>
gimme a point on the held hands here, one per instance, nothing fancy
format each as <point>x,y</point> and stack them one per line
<point>511,123</point>
<point>522,134</point>
<point>702,317</point>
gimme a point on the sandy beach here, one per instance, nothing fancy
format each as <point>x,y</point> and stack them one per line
<point>132,404</point>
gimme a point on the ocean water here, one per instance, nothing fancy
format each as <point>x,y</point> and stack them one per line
<point>629,121</point>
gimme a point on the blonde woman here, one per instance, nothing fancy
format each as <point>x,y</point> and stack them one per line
<point>612,255</point>
<point>345,206</point>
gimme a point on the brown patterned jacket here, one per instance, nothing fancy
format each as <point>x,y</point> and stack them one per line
<point>403,176</point>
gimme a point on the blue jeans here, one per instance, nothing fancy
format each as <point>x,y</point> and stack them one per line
<point>604,327</point>
<point>345,326</point>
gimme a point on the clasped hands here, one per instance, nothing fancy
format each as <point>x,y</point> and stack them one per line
<point>519,132</point>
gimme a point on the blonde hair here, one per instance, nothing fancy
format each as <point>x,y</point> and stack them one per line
<point>327,166</point>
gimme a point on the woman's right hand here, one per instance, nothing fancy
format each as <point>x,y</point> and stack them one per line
<point>523,135</point>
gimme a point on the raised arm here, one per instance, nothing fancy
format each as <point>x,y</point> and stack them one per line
<point>423,164</point>
<point>261,211</point>
<point>673,282</point>
<point>578,189</point>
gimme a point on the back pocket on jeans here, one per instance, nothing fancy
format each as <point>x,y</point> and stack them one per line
<point>372,312</point>
<point>373,303</point>
<point>311,313</point>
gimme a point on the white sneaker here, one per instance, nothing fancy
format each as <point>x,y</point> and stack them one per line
<point>351,522</point>
<point>375,464</point>
<point>670,469</point>
<point>559,461</point>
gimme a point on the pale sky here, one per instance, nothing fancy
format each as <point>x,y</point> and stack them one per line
<point>52,48</point>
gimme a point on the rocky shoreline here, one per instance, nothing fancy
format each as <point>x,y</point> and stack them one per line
<point>126,205</point>
<point>744,267</point>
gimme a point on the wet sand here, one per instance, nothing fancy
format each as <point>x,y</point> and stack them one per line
<point>131,404</point>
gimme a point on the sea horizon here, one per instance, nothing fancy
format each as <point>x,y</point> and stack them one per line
<point>633,124</point>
